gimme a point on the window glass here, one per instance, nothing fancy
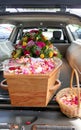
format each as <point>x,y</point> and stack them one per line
<point>76,31</point>
<point>47,32</point>
<point>5,31</point>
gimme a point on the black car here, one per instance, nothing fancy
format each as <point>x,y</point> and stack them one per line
<point>62,29</point>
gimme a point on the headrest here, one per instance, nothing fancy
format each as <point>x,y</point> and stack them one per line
<point>57,35</point>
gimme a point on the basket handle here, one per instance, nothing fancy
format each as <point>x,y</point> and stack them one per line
<point>2,83</point>
<point>74,71</point>
<point>55,86</point>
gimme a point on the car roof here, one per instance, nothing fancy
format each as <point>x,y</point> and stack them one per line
<point>41,4</point>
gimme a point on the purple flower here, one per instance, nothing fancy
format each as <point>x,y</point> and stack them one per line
<point>30,43</point>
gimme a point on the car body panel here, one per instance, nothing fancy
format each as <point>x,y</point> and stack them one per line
<point>41,4</point>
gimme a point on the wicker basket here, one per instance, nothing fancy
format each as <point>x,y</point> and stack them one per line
<point>70,110</point>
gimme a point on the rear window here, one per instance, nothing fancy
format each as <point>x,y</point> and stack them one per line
<point>47,32</point>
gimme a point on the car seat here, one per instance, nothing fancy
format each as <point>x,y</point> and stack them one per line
<point>56,37</point>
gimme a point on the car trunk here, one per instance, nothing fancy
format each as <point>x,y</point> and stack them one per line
<point>49,117</point>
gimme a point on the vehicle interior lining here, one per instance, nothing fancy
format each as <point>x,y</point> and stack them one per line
<point>18,18</point>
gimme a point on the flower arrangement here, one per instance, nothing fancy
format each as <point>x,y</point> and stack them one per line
<point>35,44</point>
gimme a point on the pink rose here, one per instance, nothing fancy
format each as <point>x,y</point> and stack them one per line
<point>26,52</point>
<point>40,44</point>
<point>23,47</point>
<point>34,31</point>
<point>37,53</point>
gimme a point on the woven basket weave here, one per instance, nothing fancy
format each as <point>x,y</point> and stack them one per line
<point>70,110</point>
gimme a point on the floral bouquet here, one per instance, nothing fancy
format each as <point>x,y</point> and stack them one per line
<point>35,44</point>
